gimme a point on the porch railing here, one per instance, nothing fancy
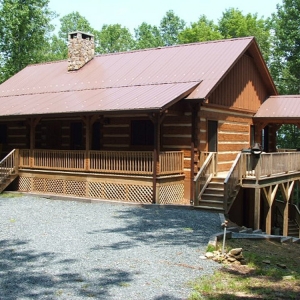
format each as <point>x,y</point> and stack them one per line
<point>117,162</point>
<point>271,164</point>
<point>203,177</point>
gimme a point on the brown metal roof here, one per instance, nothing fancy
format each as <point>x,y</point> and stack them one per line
<point>138,80</point>
<point>280,107</point>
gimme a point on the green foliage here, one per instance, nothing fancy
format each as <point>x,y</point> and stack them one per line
<point>56,49</point>
<point>114,38</point>
<point>285,66</point>
<point>170,28</point>
<point>234,24</point>
<point>147,36</point>
<point>210,248</point>
<point>24,28</point>
<point>288,137</point>
<point>201,31</point>
<point>74,22</point>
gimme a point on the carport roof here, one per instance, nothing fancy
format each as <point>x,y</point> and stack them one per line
<point>280,108</point>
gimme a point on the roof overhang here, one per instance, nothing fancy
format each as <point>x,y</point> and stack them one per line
<point>128,99</point>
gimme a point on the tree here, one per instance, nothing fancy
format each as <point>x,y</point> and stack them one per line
<point>170,27</point>
<point>285,65</point>
<point>114,38</point>
<point>288,137</point>
<point>24,28</point>
<point>74,22</point>
<point>56,49</point>
<point>203,30</point>
<point>147,36</point>
<point>285,62</point>
<point>234,24</point>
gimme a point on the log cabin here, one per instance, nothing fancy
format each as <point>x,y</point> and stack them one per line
<point>170,125</point>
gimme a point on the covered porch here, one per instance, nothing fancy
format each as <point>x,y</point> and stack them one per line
<point>114,175</point>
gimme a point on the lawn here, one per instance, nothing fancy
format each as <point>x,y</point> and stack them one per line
<point>272,271</point>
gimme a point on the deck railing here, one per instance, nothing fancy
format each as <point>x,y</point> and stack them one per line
<point>271,164</point>
<point>116,162</point>
<point>121,162</point>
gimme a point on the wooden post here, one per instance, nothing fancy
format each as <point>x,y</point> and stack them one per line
<point>156,119</point>
<point>194,143</point>
<point>269,193</point>
<point>154,196</point>
<point>88,121</point>
<point>286,190</point>
<point>32,123</point>
<point>257,209</point>
<point>192,200</point>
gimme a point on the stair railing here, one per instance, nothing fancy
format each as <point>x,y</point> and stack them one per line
<point>232,181</point>
<point>9,165</point>
<point>203,177</point>
<point>294,214</point>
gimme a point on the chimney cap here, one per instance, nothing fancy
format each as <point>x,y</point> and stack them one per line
<point>81,32</point>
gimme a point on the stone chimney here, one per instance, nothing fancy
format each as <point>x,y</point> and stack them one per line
<point>81,49</point>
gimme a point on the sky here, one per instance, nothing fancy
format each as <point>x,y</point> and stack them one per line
<point>132,13</point>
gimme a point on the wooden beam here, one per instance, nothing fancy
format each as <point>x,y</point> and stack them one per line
<point>286,190</point>
<point>257,208</point>
<point>32,124</point>
<point>269,194</point>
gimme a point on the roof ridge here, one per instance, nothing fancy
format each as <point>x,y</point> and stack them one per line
<point>149,49</point>
<point>177,46</point>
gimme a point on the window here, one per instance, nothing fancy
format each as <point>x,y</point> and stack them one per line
<point>142,133</point>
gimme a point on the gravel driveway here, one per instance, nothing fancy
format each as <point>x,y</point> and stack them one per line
<point>52,249</point>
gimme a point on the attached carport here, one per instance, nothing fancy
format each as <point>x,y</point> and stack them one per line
<point>274,112</point>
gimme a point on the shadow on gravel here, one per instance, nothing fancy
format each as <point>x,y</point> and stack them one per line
<point>163,226</point>
<point>22,275</point>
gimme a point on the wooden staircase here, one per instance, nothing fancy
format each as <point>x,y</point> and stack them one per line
<point>6,181</point>
<point>8,170</point>
<point>213,197</point>
<point>293,229</point>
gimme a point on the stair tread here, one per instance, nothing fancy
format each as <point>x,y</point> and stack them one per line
<point>212,201</point>
<point>209,207</point>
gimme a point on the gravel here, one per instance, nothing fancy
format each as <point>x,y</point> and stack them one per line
<point>54,249</point>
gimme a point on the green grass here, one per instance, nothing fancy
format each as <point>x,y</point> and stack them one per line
<point>10,195</point>
<point>261,278</point>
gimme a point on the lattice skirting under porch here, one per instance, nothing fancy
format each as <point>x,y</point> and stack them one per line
<point>119,189</point>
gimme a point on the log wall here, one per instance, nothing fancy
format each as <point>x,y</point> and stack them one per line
<point>233,133</point>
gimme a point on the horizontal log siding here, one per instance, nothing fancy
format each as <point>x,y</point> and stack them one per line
<point>17,137</point>
<point>177,127</point>
<point>233,133</point>
<point>242,88</point>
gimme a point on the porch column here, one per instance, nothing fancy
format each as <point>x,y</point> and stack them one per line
<point>88,121</point>
<point>32,124</point>
<point>156,158</point>
<point>156,118</point>
<point>257,208</point>
<point>194,145</point>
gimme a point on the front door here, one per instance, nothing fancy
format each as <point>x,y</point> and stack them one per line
<point>212,136</point>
